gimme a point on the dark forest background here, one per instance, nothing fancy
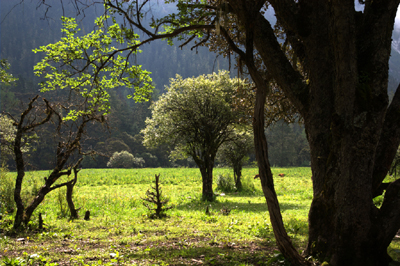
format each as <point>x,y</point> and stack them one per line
<point>28,25</point>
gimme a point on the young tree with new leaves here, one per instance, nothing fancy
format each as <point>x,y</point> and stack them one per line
<point>88,67</point>
<point>194,117</point>
<point>91,65</point>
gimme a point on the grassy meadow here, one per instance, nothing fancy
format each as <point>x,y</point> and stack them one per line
<point>120,231</point>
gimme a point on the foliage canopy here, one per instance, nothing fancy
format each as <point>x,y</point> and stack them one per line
<point>194,114</point>
<point>91,65</point>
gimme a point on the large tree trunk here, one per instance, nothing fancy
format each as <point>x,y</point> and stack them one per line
<point>352,133</point>
<point>344,133</point>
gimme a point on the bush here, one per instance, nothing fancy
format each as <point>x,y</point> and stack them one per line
<point>225,183</point>
<point>125,159</point>
<point>248,184</point>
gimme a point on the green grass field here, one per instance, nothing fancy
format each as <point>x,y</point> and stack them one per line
<point>121,233</point>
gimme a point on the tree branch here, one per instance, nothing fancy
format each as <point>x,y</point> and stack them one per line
<point>388,142</point>
<point>290,81</point>
<point>287,11</point>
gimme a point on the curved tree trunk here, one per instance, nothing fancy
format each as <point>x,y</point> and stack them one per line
<point>70,189</point>
<point>267,182</point>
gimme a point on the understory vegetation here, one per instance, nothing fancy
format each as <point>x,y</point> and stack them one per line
<point>235,231</point>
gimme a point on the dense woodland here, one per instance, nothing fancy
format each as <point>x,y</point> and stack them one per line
<point>26,26</point>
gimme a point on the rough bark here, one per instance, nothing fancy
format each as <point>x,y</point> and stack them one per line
<point>345,116</point>
<point>22,129</point>
<point>350,129</point>
<point>246,14</point>
<point>267,182</point>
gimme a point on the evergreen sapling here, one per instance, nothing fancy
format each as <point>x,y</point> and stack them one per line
<point>155,197</point>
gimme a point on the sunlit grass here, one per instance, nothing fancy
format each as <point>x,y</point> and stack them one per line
<point>119,221</point>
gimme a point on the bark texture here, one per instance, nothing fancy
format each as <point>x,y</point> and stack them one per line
<point>353,131</point>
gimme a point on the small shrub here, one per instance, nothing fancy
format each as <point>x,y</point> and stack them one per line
<point>262,230</point>
<point>12,261</point>
<point>156,198</point>
<point>125,159</point>
<point>225,183</point>
<point>248,184</point>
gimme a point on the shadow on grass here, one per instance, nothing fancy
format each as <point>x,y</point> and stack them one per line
<point>232,206</point>
<point>225,254</point>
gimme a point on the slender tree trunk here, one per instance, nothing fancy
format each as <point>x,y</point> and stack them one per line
<point>237,172</point>
<point>20,165</point>
<point>267,182</point>
<point>70,189</point>
<point>35,203</point>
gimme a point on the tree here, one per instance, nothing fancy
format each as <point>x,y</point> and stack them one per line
<point>336,76</point>
<point>70,134</point>
<point>235,153</point>
<point>91,65</point>
<point>341,94</point>
<point>194,118</point>
<point>125,159</point>
<point>7,131</point>
<point>87,66</point>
